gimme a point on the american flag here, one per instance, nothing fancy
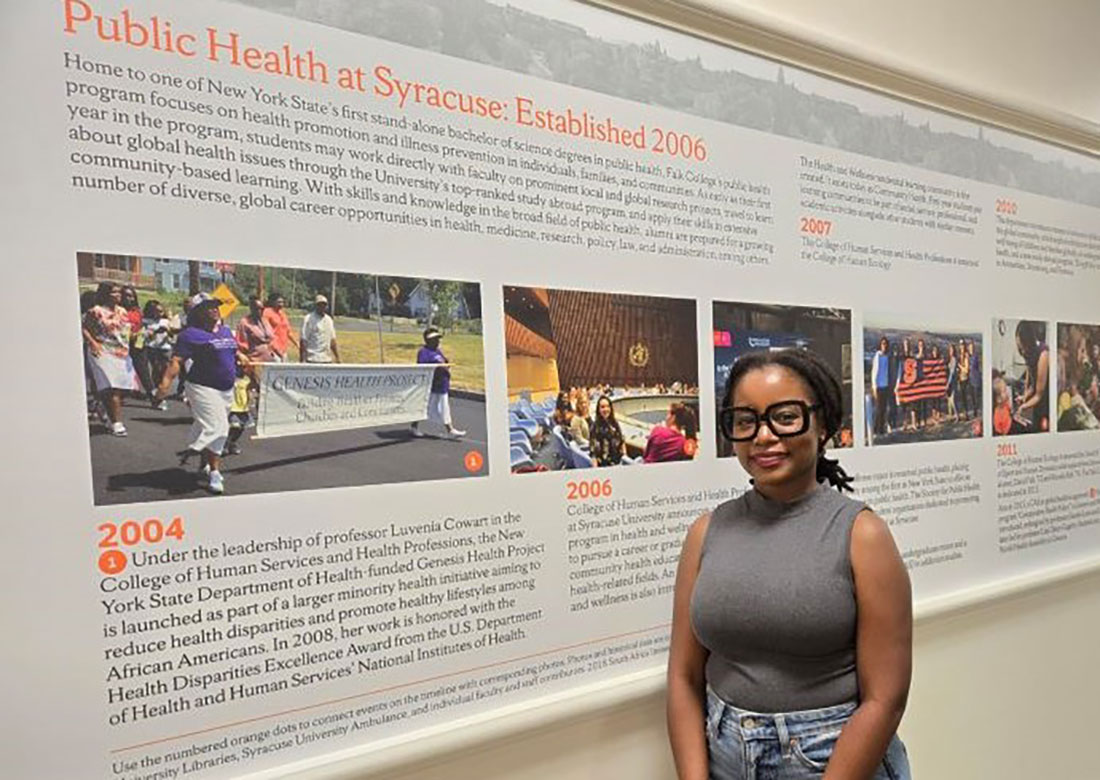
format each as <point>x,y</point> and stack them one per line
<point>922,378</point>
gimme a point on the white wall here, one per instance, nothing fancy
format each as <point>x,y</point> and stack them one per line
<point>1038,54</point>
<point>1004,690</point>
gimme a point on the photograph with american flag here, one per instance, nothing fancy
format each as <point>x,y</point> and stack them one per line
<point>923,383</point>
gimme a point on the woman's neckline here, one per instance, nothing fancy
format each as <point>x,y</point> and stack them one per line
<point>773,508</point>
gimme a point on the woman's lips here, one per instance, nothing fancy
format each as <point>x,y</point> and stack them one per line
<point>769,460</point>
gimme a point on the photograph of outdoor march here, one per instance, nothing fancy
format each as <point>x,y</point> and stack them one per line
<point>599,379</point>
<point>749,327</point>
<point>921,383</point>
<point>212,377</point>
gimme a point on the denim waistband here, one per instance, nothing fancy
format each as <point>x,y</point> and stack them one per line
<point>723,717</point>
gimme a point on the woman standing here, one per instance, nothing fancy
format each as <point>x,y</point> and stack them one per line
<point>952,381</point>
<point>1033,412</point>
<point>880,384</point>
<point>212,353</point>
<point>607,444</point>
<point>254,335</point>
<point>791,641</point>
<point>964,380</point>
<point>579,427</point>
<point>106,330</point>
<point>138,354</point>
<point>439,397</point>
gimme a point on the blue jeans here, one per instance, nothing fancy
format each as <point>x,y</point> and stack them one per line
<point>745,745</point>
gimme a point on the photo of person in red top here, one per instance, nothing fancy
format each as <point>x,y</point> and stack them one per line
<point>675,439</point>
<point>279,323</point>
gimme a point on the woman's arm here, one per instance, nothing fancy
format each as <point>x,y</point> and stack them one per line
<point>170,373</point>
<point>93,346</point>
<point>1042,369</point>
<point>686,659</point>
<point>884,650</point>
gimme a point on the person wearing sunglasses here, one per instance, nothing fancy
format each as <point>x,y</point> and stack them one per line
<point>791,644</point>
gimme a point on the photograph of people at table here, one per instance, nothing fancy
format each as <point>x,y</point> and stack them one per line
<point>217,377</point>
<point>1020,378</point>
<point>598,379</point>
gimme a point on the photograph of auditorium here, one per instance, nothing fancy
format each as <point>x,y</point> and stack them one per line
<point>921,383</point>
<point>748,327</point>
<point>599,379</point>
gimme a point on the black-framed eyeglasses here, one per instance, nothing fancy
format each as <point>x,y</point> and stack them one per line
<point>784,419</point>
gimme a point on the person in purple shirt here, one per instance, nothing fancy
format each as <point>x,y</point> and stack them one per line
<point>676,439</point>
<point>439,403</point>
<point>209,352</point>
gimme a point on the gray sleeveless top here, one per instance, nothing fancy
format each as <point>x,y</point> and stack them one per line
<point>774,602</point>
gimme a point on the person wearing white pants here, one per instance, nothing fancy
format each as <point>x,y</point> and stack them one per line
<point>439,402</point>
<point>210,353</point>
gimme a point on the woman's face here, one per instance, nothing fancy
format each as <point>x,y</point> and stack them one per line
<point>603,408</point>
<point>769,459</point>
<point>206,316</point>
<point>883,345</point>
<point>116,296</point>
<point>582,405</point>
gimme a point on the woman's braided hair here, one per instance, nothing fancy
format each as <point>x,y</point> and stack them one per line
<point>825,387</point>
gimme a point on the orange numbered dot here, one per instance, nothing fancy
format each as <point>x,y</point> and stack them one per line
<point>112,562</point>
<point>473,461</point>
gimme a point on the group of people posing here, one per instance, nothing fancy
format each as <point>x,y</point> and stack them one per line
<point>921,383</point>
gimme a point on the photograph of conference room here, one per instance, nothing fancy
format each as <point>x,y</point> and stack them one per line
<point>750,327</point>
<point>1020,377</point>
<point>1078,377</point>
<point>211,377</point>
<point>599,379</point>
<point>920,383</point>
